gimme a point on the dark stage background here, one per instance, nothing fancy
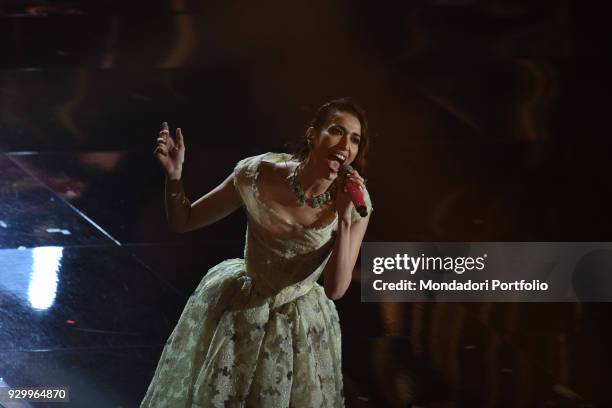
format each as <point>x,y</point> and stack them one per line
<point>489,124</point>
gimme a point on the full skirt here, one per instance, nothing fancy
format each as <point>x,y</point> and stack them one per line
<point>233,347</point>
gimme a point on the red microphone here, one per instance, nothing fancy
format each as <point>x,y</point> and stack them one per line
<point>353,189</point>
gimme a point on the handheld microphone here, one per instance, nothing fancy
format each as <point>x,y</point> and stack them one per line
<point>353,189</point>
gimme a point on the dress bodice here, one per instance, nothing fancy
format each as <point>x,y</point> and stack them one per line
<point>279,254</point>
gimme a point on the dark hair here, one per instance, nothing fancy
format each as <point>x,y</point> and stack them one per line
<point>320,118</point>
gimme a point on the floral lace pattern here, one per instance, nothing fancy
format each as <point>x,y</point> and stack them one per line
<point>259,331</point>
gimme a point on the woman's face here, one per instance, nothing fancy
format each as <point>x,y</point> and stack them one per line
<point>337,143</point>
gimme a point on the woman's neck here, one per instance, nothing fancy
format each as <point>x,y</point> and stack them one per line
<point>314,181</point>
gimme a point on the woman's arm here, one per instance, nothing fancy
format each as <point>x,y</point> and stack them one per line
<point>181,214</point>
<point>218,203</point>
<point>338,272</point>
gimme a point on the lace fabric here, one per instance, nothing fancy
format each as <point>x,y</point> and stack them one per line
<point>258,331</point>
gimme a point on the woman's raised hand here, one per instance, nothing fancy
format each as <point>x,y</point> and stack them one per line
<point>170,153</point>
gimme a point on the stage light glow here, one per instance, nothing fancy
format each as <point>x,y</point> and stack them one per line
<point>44,276</point>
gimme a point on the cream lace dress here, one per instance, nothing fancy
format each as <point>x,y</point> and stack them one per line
<point>258,331</point>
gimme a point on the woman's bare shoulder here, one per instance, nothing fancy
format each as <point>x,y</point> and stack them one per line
<point>276,170</point>
<point>273,181</point>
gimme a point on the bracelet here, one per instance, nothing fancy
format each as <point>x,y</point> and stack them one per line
<point>175,187</point>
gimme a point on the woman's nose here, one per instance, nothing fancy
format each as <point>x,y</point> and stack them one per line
<point>346,142</point>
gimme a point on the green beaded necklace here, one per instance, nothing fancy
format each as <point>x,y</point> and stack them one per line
<point>317,201</point>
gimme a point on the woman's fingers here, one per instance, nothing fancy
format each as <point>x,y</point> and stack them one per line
<point>163,139</point>
<point>361,186</point>
<point>165,131</point>
<point>180,142</point>
<point>170,144</point>
<point>356,178</point>
<point>160,150</point>
<point>356,175</point>
<point>164,134</point>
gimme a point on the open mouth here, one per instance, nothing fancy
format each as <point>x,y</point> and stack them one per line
<point>336,160</point>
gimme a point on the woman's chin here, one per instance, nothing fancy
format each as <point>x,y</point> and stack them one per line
<point>332,175</point>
